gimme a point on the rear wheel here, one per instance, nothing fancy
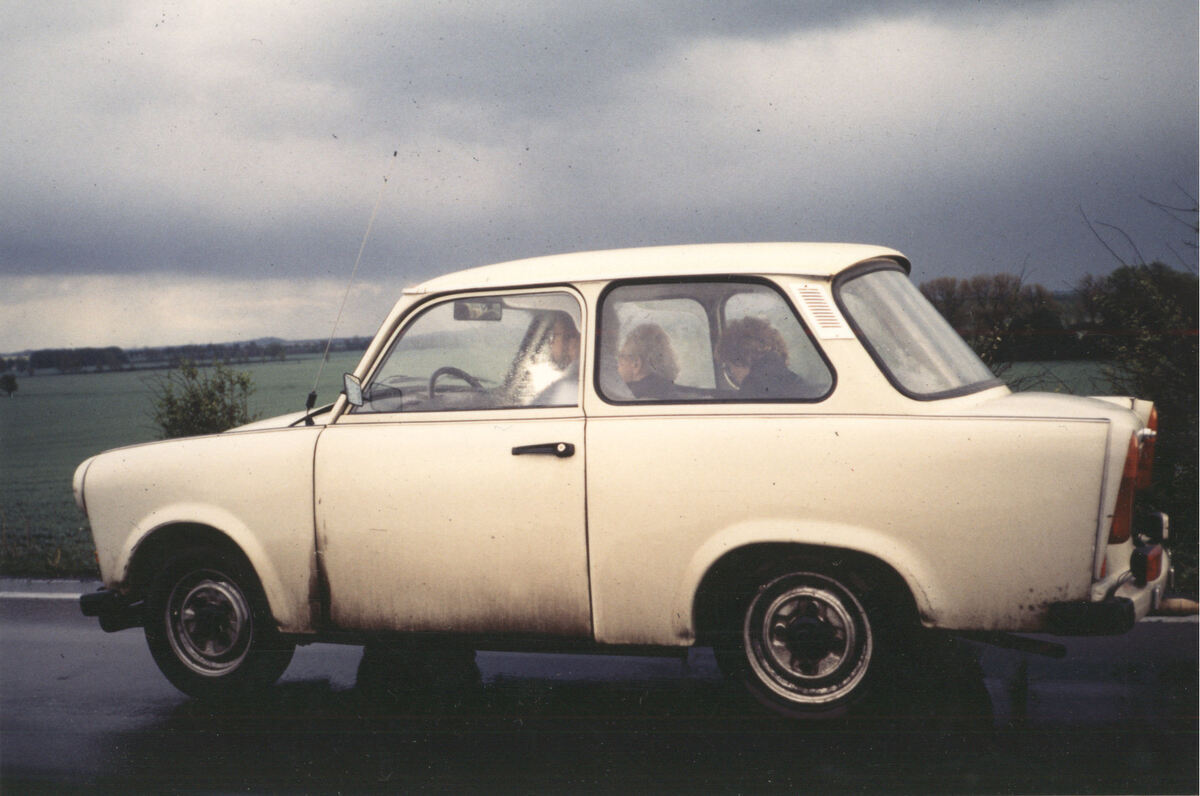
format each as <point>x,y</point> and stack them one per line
<point>208,627</point>
<point>808,640</point>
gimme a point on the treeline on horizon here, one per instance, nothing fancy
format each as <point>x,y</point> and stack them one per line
<point>1003,318</point>
<point>113,358</point>
<point>1006,320</point>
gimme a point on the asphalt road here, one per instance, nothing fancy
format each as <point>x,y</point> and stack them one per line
<point>82,710</point>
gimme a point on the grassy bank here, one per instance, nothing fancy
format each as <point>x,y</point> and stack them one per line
<point>52,423</point>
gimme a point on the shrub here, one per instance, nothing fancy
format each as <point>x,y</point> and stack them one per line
<point>1148,323</point>
<point>189,401</point>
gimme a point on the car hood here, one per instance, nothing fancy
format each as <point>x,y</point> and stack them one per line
<point>320,417</point>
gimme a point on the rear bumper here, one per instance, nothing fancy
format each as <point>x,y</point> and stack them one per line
<point>114,610</point>
<point>1110,617</point>
<point>1117,603</point>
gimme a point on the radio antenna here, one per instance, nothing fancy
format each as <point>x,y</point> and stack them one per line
<point>312,396</point>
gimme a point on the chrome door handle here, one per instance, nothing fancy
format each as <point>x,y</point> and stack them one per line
<point>560,449</point>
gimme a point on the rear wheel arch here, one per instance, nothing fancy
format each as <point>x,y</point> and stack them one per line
<point>730,578</point>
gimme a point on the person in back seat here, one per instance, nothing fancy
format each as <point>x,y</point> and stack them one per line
<point>647,362</point>
<point>755,357</point>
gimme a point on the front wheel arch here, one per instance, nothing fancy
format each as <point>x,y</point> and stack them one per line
<point>162,544</point>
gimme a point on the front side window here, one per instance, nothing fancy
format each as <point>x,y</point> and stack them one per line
<point>914,345</point>
<point>482,352</point>
<point>706,341</point>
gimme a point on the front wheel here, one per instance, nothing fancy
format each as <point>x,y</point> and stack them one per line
<point>208,627</point>
<point>809,642</point>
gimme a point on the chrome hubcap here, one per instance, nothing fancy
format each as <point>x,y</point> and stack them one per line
<point>209,623</point>
<point>807,638</point>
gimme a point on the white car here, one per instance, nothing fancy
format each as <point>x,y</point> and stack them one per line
<point>778,450</point>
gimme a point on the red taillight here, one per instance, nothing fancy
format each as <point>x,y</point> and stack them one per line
<point>1154,563</point>
<point>1122,522</point>
<point>1146,563</point>
<point>1146,459</point>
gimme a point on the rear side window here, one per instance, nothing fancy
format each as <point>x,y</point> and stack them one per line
<point>698,341</point>
<point>912,343</point>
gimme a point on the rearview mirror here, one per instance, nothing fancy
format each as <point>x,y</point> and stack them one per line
<point>353,389</point>
<point>478,310</point>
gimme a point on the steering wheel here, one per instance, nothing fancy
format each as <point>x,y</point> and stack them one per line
<point>458,373</point>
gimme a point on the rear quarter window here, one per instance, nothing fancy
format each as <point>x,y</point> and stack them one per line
<point>909,340</point>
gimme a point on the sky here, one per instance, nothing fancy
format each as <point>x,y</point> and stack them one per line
<point>195,172</point>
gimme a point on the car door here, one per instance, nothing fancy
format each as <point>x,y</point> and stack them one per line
<point>702,459</point>
<point>452,500</point>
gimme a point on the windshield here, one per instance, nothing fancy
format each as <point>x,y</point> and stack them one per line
<point>914,345</point>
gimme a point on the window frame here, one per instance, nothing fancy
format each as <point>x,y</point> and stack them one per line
<point>716,316</point>
<point>428,303</point>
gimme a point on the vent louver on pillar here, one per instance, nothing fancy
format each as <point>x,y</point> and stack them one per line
<point>820,313</point>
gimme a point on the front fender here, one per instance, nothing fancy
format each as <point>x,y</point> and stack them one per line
<point>255,487</point>
<point>290,613</point>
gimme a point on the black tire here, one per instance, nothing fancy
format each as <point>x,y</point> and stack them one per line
<point>808,641</point>
<point>208,626</point>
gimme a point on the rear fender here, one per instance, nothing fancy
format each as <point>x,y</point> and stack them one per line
<point>913,568</point>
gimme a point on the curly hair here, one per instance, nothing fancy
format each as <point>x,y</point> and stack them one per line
<point>747,339</point>
<point>649,342</point>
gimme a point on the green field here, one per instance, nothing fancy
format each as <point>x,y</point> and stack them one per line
<point>53,423</point>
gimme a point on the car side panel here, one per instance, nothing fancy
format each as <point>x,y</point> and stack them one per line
<point>254,487</point>
<point>988,520</point>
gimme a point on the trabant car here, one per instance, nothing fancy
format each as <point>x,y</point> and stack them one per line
<point>778,450</point>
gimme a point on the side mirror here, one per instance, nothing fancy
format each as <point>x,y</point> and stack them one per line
<point>353,389</point>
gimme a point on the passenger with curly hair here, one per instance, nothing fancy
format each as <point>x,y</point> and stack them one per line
<point>755,357</point>
<point>647,362</point>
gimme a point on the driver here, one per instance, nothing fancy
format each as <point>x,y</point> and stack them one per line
<point>564,353</point>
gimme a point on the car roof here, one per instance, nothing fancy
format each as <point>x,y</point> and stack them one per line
<point>800,259</point>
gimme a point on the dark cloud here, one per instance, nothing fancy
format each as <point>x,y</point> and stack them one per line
<point>540,60</point>
<point>247,142</point>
